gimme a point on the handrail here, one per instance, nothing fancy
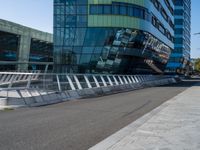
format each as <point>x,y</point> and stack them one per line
<point>37,83</point>
<point>72,81</point>
<point>32,73</point>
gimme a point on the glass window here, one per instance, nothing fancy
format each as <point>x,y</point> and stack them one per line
<point>85,58</point>
<point>164,14</point>
<point>87,50</point>
<point>156,4</point>
<point>179,21</point>
<point>130,11</point>
<point>138,13</point>
<point>100,9</point>
<point>90,38</point>
<point>115,9</point>
<point>77,50</point>
<point>98,50</point>
<point>81,21</point>
<point>162,29</point>
<point>93,9</point>
<point>179,2</point>
<point>179,41</point>
<point>178,31</point>
<point>178,12</point>
<point>154,21</point>
<point>96,9</point>
<point>82,10</point>
<point>118,8</point>
<point>107,9</point>
<point>123,10</point>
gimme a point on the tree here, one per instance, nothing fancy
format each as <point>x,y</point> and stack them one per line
<point>197,65</point>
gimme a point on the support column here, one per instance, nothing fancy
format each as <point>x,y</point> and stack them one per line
<point>24,51</point>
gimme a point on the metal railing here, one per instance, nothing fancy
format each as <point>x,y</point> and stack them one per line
<point>17,84</point>
<point>68,81</point>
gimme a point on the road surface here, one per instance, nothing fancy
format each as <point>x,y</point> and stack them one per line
<point>79,124</point>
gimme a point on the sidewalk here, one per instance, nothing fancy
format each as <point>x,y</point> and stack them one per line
<point>175,125</point>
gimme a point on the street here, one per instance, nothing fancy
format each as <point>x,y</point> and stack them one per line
<point>79,124</point>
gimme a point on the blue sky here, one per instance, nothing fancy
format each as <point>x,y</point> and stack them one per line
<point>195,39</point>
<point>39,14</point>
<point>32,13</point>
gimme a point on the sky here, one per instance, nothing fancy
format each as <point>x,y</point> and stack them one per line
<point>38,14</point>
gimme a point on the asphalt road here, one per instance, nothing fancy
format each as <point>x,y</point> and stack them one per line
<point>80,124</point>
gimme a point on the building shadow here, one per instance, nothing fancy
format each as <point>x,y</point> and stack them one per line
<point>184,83</point>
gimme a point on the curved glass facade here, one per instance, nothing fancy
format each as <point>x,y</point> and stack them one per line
<point>83,46</point>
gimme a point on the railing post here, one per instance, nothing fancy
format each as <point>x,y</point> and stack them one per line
<point>78,83</point>
<point>44,76</point>
<point>96,82</point>
<point>116,82</point>
<point>87,81</point>
<point>29,82</point>
<point>58,82</point>
<point>46,68</point>
<point>125,80</point>
<point>11,81</point>
<point>109,80</point>
<point>3,78</point>
<point>133,79</point>
<point>120,79</point>
<point>20,76</point>
<point>140,78</point>
<point>129,79</point>
<point>37,75</point>
<point>136,79</point>
<point>104,82</point>
<point>25,77</point>
<point>144,79</point>
<point>70,83</point>
<point>8,77</point>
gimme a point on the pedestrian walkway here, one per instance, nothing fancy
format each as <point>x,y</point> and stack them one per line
<point>175,125</point>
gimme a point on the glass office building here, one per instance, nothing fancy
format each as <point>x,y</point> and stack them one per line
<point>180,59</point>
<point>113,36</point>
<point>20,44</point>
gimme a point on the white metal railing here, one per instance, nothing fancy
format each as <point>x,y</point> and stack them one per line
<point>66,81</point>
<point>9,78</point>
<point>26,88</point>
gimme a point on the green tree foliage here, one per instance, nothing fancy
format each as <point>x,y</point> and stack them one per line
<point>197,65</point>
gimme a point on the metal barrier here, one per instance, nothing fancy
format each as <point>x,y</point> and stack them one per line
<point>63,82</point>
<point>36,87</point>
<point>9,78</point>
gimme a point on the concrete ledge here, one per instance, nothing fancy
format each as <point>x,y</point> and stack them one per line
<point>16,101</point>
<point>3,101</point>
<point>36,98</point>
<point>73,95</point>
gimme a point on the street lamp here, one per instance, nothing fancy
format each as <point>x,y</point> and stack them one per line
<point>197,33</point>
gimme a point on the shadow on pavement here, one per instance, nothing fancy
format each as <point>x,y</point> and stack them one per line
<point>184,83</point>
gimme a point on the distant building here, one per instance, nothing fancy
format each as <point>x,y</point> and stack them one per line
<point>113,36</point>
<point>180,58</point>
<point>20,44</point>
